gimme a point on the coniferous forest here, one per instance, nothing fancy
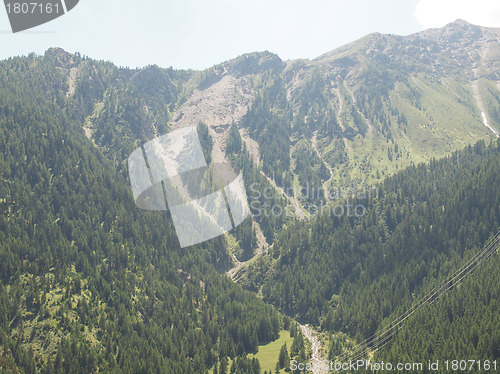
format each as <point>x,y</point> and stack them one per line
<point>90,283</point>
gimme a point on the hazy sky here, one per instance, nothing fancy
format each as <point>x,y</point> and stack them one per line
<point>200,33</point>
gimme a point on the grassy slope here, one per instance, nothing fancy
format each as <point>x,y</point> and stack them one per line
<point>268,354</point>
<point>441,125</point>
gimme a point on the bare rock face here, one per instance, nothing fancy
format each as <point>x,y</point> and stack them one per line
<point>217,106</point>
<point>224,96</point>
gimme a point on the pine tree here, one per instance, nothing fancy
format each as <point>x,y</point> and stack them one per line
<point>223,365</point>
<point>283,358</point>
<point>277,368</point>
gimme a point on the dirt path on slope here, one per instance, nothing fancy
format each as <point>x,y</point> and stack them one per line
<point>231,273</point>
<point>254,150</point>
<point>368,123</point>
<point>341,124</point>
<point>262,247</point>
<point>72,81</point>
<point>475,88</point>
<point>316,359</point>
<point>340,108</point>
<point>295,203</point>
<point>314,142</point>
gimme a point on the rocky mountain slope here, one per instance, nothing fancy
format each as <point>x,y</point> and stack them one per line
<point>315,128</point>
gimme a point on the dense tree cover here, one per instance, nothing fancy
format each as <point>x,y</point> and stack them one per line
<point>311,172</point>
<point>374,102</point>
<point>247,239</point>
<point>87,279</point>
<point>312,99</point>
<point>133,111</point>
<point>283,358</point>
<point>463,324</point>
<point>234,143</point>
<point>271,129</point>
<point>353,274</point>
<point>268,206</point>
<point>120,107</point>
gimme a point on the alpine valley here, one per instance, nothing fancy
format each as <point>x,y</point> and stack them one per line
<point>373,177</point>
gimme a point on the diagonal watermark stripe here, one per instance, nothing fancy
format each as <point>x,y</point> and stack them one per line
<point>205,201</point>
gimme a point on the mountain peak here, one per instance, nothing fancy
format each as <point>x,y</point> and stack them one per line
<point>256,62</point>
<point>461,22</point>
<point>60,57</point>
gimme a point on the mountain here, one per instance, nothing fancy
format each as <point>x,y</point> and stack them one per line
<point>348,118</point>
<point>415,230</point>
<point>88,281</point>
<point>91,283</point>
<point>463,323</point>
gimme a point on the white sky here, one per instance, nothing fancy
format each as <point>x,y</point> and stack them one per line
<point>200,33</point>
<point>437,13</point>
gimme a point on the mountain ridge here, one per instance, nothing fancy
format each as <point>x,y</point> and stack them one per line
<point>89,281</point>
<point>364,101</point>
